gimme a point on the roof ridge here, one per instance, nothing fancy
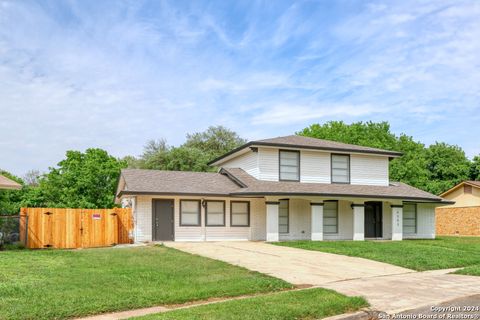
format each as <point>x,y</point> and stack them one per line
<point>173,171</point>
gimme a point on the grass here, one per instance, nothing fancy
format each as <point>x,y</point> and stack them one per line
<point>305,304</point>
<point>471,271</point>
<point>421,255</point>
<point>58,284</point>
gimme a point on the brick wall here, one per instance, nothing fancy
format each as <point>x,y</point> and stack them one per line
<point>458,221</point>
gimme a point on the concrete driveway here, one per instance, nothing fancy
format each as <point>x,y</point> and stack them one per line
<point>386,287</point>
<point>296,266</point>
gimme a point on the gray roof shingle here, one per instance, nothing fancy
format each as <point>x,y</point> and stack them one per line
<point>6,183</point>
<point>236,182</point>
<point>176,182</point>
<point>396,190</point>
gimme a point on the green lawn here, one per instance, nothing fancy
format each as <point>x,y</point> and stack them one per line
<point>55,284</point>
<point>471,271</point>
<point>441,253</point>
<point>305,304</point>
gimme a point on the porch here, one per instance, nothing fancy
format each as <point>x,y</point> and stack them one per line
<point>346,219</point>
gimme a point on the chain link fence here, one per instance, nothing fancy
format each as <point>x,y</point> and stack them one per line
<point>10,234</point>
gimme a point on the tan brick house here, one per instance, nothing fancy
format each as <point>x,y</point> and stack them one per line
<point>462,217</point>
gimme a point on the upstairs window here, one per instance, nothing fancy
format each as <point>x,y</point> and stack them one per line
<point>410,218</point>
<point>289,165</point>
<point>340,168</point>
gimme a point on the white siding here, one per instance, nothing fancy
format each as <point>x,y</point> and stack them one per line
<point>256,231</point>
<point>299,221</point>
<point>258,220</point>
<point>315,167</point>
<point>143,219</point>
<point>369,170</point>
<point>268,164</point>
<point>387,221</point>
<point>345,223</point>
<point>247,162</point>
<point>425,222</point>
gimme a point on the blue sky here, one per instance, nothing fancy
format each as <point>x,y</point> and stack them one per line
<point>113,74</point>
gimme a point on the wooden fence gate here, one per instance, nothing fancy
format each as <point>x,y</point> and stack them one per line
<point>75,228</point>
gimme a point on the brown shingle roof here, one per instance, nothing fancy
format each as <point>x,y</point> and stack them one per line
<point>302,142</point>
<point>236,182</point>
<point>6,183</point>
<point>395,190</point>
<point>138,181</point>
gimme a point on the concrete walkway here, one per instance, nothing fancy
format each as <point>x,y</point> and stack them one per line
<point>386,287</point>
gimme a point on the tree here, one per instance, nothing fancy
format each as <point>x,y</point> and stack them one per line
<point>448,166</point>
<point>434,169</point>
<point>187,159</point>
<point>371,134</point>
<point>214,141</point>
<point>82,180</point>
<point>193,155</point>
<point>411,167</point>
<point>31,178</point>
<point>475,169</point>
<point>10,200</point>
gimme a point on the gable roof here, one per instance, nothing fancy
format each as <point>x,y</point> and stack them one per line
<point>301,142</point>
<point>236,182</point>
<point>6,183</point>
<point>472,183</point>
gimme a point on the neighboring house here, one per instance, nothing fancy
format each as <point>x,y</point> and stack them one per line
<point>462,217</point>
<point>6,183</point>
<point>284,188</point>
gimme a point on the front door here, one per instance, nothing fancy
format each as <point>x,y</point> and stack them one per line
<point>162,220</point>
<point>373,219</point>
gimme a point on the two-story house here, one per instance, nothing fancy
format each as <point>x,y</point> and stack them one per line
<point>285,188</point>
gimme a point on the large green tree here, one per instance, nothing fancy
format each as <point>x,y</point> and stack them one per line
<point>214,141</point>
<point>447,166</point>
<point>82,180</point>
<point>194,155</point>
<point>475,169</point>
<point>434,169</point>
<point>10,200</point>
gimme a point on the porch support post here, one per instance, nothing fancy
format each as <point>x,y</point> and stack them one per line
<point>358,221</point>
<point>272,220</point>
<point>397,222</point>
<point>317,221</point>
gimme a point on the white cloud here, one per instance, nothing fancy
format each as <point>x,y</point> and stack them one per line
<point>291,113</point>
<point>113,75</point>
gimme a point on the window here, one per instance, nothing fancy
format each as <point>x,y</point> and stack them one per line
<point>283,216</point>
<point>190,212</point>
<point>290,165</point>
<point>239,214</point>
<point>330,217</point>
<point>410,218</point>
<point>340,168</point>
<point>215,212</point>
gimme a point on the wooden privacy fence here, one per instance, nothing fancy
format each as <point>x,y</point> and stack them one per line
<point>75,228</point>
